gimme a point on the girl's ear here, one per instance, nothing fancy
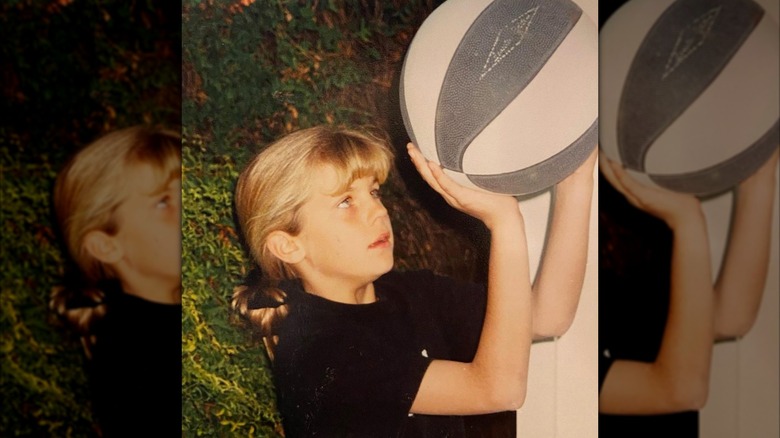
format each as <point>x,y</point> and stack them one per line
<point>103,247</point>
<point>285,247</point>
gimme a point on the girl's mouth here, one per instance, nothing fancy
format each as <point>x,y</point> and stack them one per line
<point>382,242</point>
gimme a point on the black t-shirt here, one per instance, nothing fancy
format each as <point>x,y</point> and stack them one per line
<point>135,371</point>
<point>345,370</point>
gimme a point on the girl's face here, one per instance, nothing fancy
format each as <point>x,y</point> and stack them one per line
<point>346,236</point>
<point>149,229</point>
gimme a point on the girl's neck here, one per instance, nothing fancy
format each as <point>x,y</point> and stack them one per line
<point>341,293</point>
<point>153,291</point>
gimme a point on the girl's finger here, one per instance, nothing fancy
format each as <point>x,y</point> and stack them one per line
<point>607,169</point>
<point>421,164</point>
<point>449,189</point>
<point>635,187</point>
<point>623,183</point>
<point>418,160</point>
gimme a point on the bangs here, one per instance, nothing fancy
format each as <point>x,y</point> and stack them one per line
<point>162,151</point>
<point>354,158</point>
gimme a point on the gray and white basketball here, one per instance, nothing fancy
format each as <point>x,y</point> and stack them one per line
<point>690,91</point>
<point>504,93</point>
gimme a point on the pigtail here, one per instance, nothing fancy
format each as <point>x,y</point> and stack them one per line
<point>80,308</point>
<point>263,308</point>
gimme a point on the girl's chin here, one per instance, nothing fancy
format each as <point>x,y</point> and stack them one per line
<point>386,269</point>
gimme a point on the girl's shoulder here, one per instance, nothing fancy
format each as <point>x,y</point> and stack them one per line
<point>425,287</point>
<point>407,278</point>
<point>424,278</point>
<point>412,286</point>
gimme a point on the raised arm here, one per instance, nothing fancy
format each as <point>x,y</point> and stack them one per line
<point>742,277</point>
<point>496,379</point>
<point>556,291</point>
<point>678,380</point>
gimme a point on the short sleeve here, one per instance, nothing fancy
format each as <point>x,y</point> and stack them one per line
<point>605,363</point>
<point>346,381</point>
<point>457,306</point>
<point>354,370</point>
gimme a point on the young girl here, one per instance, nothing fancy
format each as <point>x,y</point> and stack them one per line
<point>118,209</point>
<point>361,350</point>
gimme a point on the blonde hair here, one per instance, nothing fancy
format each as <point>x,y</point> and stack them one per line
<point>87,193</point>
<point>270,192</point>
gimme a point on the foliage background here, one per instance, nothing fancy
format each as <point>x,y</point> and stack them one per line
<point>69,72</point>
<point>253,71</point>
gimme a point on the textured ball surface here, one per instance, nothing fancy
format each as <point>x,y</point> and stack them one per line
<point>503,94</point>
<point>689,91</point>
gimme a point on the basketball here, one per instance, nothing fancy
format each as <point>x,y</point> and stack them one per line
<point>689,91</point>
<point>503,94</point>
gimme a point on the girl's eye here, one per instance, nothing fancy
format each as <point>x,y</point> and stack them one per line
<point>375,193</point>
<point>345,203</point>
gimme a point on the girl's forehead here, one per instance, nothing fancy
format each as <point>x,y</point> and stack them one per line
<point>148,179</point>
<point>329,180</point>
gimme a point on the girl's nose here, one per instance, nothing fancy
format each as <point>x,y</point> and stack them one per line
<point>377,210</point>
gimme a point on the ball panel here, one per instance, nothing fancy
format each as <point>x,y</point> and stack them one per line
<point>682,53</point>
<point>738,107</point>
<point>544,174</point>
<point>499,55</point>
<point>407,119</point>
<point>564,97</point>
<point>723,176</point>
<point>426,62</point>
<point>724,133</point>
<point>619,39</point>
<point>552,112</point>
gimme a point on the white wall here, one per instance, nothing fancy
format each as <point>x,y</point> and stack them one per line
<point>562,399</point>
<point>744,397</point>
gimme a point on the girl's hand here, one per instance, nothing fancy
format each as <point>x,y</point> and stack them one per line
<point>671,207</point>
<point>490,208</point>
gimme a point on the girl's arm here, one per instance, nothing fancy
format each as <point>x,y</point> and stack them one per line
<point>496,379</point>
<point>678,380</point>
<point>743,273</point>
<point>556,291</point>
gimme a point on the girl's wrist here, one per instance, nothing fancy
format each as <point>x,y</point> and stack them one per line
<point>583,175</point>
<point>757,186</point>
<point>509,219</point>
<point>577,179</point>
<point>686,220</point>
<point>579,188</point>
